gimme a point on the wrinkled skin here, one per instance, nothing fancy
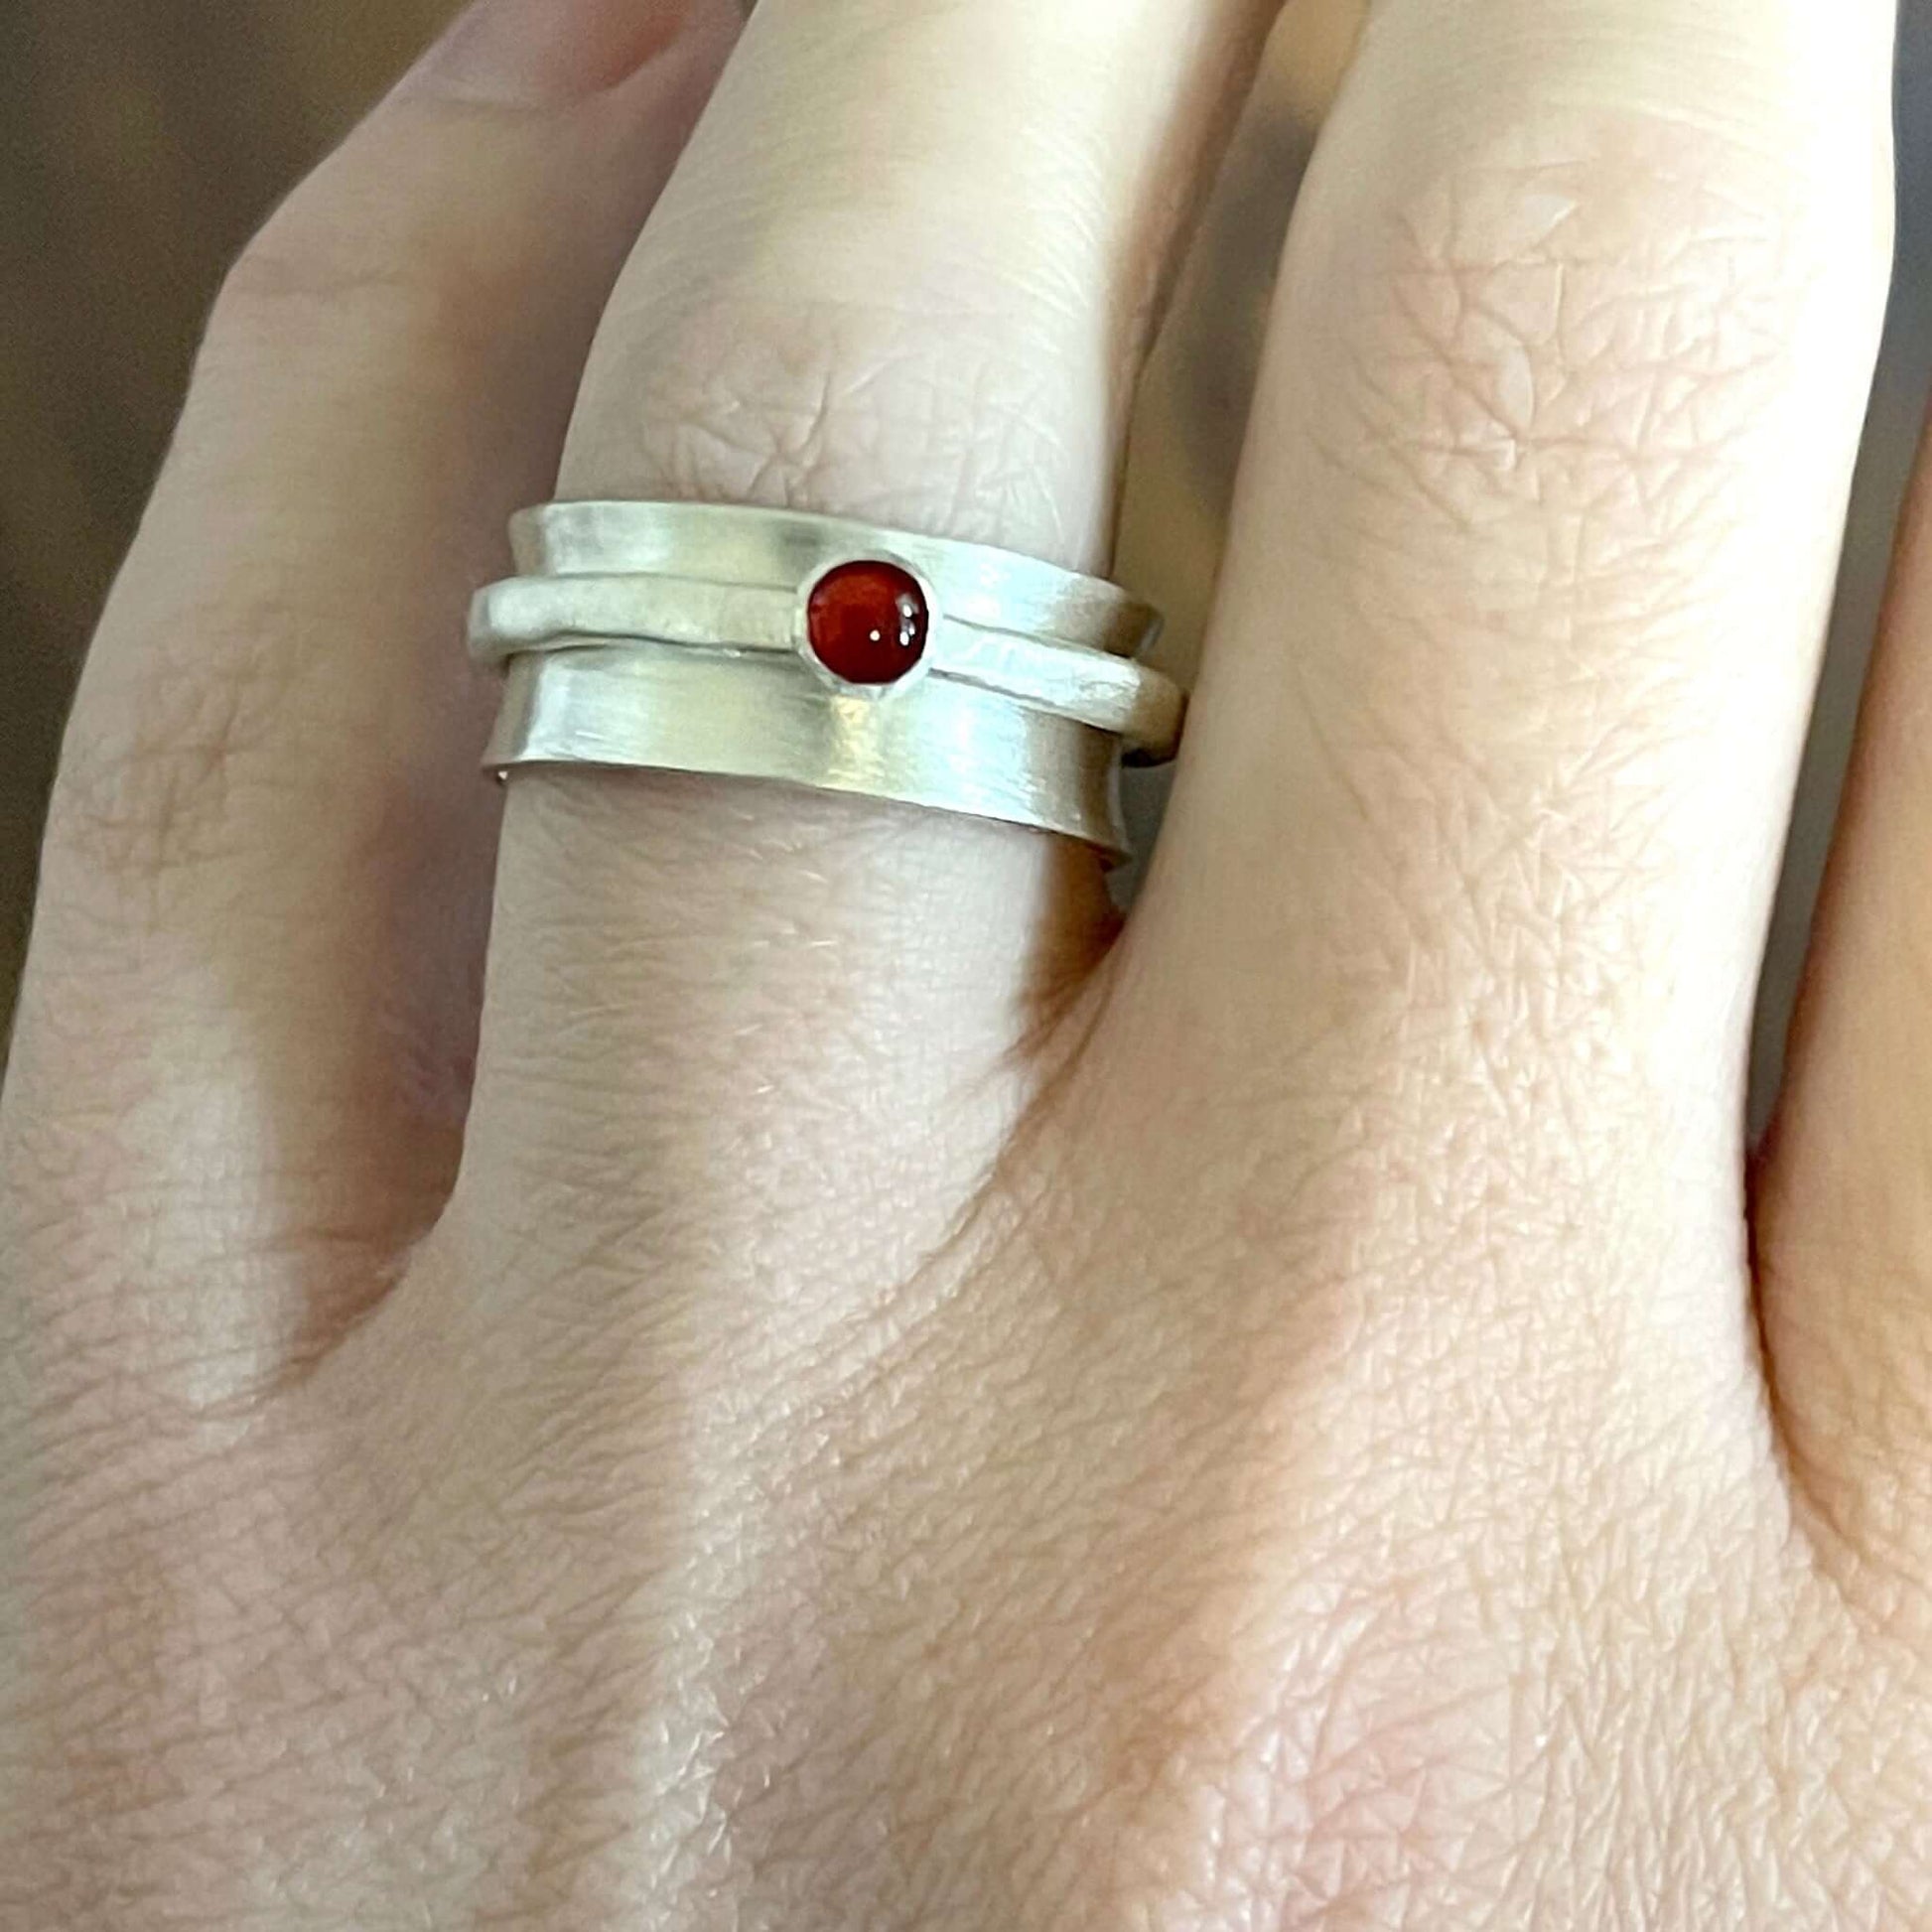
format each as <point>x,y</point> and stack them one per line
<point>842,1390</point>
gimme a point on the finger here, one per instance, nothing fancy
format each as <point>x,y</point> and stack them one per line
<point>1844,1224</point>
<point>1469,862</point>
<point>904,272</point>
<point>248,1014</point>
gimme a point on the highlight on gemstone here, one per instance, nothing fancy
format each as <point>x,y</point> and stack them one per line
<point>867,622</point>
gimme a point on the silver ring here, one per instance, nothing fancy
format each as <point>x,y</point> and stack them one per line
<point>721,543</point>
<point>946,746</point>
<point>1092,687</point>
<point>822,652</point>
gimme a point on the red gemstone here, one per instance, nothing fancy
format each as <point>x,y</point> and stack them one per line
<point>867,622</point>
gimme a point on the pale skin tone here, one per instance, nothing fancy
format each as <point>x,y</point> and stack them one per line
<point>841,1390</point>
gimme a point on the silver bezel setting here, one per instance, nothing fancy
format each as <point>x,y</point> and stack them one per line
<point>802,627</point>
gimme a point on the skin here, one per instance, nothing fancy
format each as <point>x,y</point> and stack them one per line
<point>835,1387</point>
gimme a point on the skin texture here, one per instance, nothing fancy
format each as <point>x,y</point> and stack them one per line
<point>832,1385</point>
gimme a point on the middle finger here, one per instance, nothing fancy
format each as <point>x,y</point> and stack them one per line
<point>1463,893</point>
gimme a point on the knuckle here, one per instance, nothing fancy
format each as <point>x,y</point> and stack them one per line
<point>849,409</point>
<point>349,260</point>
<point>164,782</point>
<point>1604,321</point>
<point>301,285</point>
<point>307,254</point>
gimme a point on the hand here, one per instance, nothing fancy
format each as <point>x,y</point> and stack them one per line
<point>885,1403</point>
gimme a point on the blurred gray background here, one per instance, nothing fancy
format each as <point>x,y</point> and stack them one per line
<point>141,141</point>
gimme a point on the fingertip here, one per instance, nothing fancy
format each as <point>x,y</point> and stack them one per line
<point>552,53</point>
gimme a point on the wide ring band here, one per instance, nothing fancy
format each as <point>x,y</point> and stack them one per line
<point>947,747</point>
<point>826,654</point>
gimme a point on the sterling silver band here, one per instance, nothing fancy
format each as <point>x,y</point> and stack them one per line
<point>681,637</point>
<point>719,543</point>
<point>1090,686</point>
<point>948,747</point>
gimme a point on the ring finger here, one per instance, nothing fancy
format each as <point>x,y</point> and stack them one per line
<point>904,273</point>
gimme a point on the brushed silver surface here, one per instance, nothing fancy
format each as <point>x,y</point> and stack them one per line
<point>1092,687</point>
<point>999,590</point>
<point>941,745</point>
